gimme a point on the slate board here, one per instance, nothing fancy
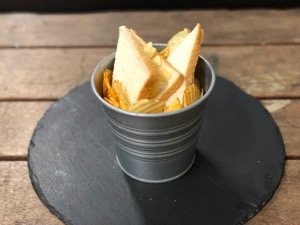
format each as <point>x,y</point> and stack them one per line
<point>239,164</point>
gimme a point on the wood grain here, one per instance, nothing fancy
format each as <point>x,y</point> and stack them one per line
<point>286,114</point>
<point>18,120</point>
<point>101,29</point>
<point>262,71</point>
<point>45,73</point>
<point>284,207</point>
<point>19,203</point>
<point>22,206</point>
<point>51,73</point>
<point>44,56</point>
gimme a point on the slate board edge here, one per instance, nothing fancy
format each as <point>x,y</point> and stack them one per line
<point>269,196</point>
<point>34,180</point>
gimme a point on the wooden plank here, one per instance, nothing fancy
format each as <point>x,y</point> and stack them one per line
<point>100,29</point>
<point>18,120</point>
<point>19,203</point>
<point>45,73</point>
<point>51,73</point>
<point>284,207</point>
<point>22,206</point>
<point>265,72</point>
<point>286,114</point>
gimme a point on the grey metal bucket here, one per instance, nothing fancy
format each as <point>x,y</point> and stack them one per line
<point>155,148</point>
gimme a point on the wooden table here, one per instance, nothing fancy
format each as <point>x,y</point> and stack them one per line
<point>42,57</point>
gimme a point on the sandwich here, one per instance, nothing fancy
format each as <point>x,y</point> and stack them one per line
<point>148,81</point>
<point>184,58</point>
<point>133,67</point>
<point>143,72</point>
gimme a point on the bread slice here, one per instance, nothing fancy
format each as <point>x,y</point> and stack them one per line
<point>177,94</point>
<point>185,57</point>
<point>133,67</point>
<point>175,80</point>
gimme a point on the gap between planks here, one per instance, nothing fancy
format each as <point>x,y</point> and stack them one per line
<point>12,158</point>
<point>28,99</point>
<point>114,46</point>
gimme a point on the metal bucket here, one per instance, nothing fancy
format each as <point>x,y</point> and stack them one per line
<point>155,148</point>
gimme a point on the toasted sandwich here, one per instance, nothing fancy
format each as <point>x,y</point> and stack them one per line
<point>133,67</point>
<point>184,58</point>
<point>141,71</point>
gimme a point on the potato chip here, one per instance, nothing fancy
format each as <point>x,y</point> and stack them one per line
<point>157,60</point>
<point>150,50</point>
<point>165,52</point>
<point>113,95</point>
<point>176,40</point>
<point>107,75</point>
<point>123,105</point>
<point>201,92</point>
<point>148,106</point>
<point>164,75</point>
<point>123,101</point>
<point>191,95</point>
<point>112,102</point>
<point>109,94</point>
<point>198,85</point>
<point>187,30</point>
<point>174,105</point>
<point>106,86</point>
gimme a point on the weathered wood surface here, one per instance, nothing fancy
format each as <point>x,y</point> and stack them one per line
<point>45,73</point>
<point>284,208</point>
<point>20,205</point>
<point>286,114</point>
<point>45,56</point>
<point>100,29</point>
<point>18,120</point>
<point>262,71</point>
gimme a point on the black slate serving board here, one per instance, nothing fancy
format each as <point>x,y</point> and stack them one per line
<point>239,164</point>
